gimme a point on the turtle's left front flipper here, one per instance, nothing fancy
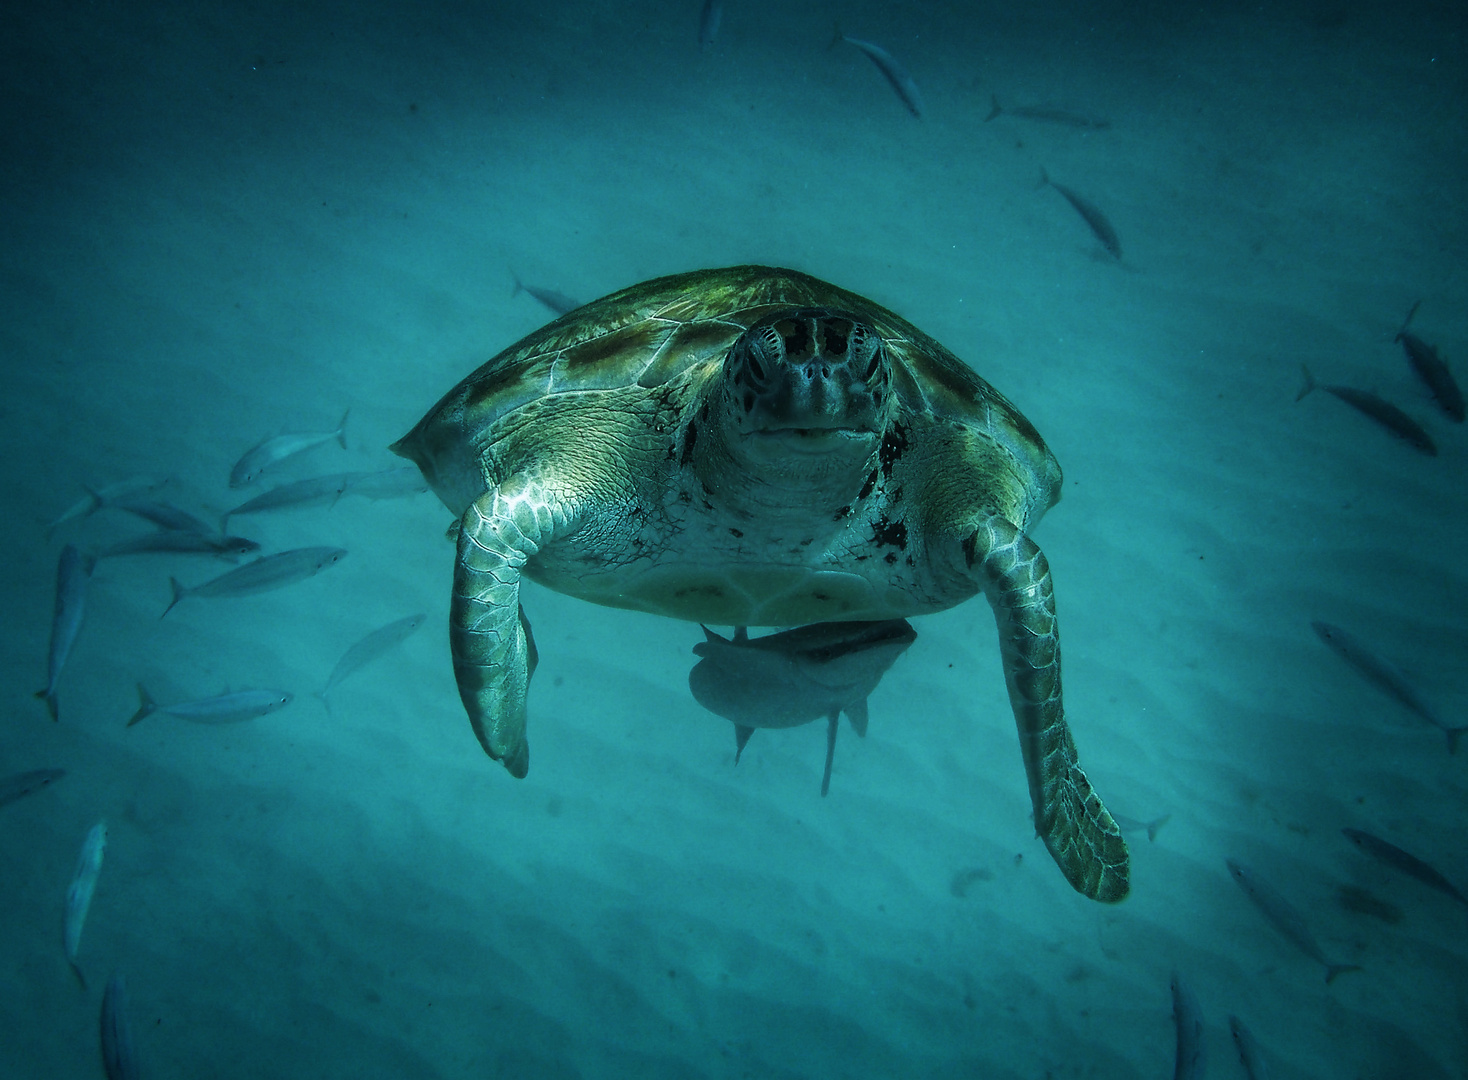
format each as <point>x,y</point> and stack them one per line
<point>1081,836</point>
<point>489,636</point>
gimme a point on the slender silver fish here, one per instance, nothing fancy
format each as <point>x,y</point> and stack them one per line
<point>387,483</point>
<point>224,709</point>
<point>369,649</point>
<point>265,573</point>
<point>273,451</point>
<point>1092,216</point>
<point>164,515</point>
<point>22,784</point>
<point>1192,1051</point>
<point>708,22</point>
<point>1432,370</point>
<point>558,302</point>
<point>79,893</point>
<point>119,1055</point>
<point>97,498</point>
<point>1383,412</point>
<point>1249,1054</point>
<point>173,542</point>
<point>896,75</point>
<point>73,572</point>
<point>1409,864</point>
<point>1052,116</point>
<point>1385,676</point>
<point>1134,825</point>
<point>1285,917</point>
<point>312,491</point>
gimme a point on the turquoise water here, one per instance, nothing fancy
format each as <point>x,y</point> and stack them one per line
<point>224,224</point>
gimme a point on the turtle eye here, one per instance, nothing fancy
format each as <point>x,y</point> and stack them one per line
<point>865,344</point>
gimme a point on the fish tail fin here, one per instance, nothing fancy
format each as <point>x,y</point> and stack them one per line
<point>77,971</point>
<point>49,697</point>
<point>838,37</point>
<point>741,737</point>
<point>1308,385</point>
<point>996,110</point>
<point>341,428</point>
<point>1407,321</point>
<point>1044,179</point>
<point>1454,734</point>
<point>519,285</point>
<point>146,706</point>
<point>1332,970</point>
<point>1153,826</point>
<point>98,500</point>
<point>179,592</point>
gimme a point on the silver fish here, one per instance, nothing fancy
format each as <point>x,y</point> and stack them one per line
<point>1192,1051</point>
<point>79,893</point>
<point>1431,369</point>
<point>1092,216</point>
<point>1385,676</point>
<point>273,451</point>
<point>22,784</point>
<point>708,22</point>
<point>164,515</point>
<point>1383,412</point>
<point>73,572</point>
<point>97,498</point>
<point>1409,864</point>
<point>312,491</point>
<point>265,573</point>
<point>1285,917</point>
<point>1133,825</point>
<point>901,82</point>
<point>369,649</point>
<point>1053,116</point>
<point>558,302</point>
<point>224,709</point>
<point>1249,1054</point>
<point>119,1055</point>
<point>797,676</point>
<point>387,483</point>
<point>172,542</point>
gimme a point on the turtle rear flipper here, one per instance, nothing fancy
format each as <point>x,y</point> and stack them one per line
<point>1081,836</point>
<point>493,651</point>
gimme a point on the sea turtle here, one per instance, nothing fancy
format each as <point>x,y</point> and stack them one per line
<point>752,446</point>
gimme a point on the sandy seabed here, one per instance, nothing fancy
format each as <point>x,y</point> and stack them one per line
<point>220,224</point>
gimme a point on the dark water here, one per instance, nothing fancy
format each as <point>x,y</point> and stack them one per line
<point>220,224</point>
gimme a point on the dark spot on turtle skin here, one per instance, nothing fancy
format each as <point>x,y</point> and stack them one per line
<point>736,534</point>
<point>866,489</point>
<point>841,513</point>
<point>822,597</point>
<point>894,442</point>
<point>688,438</point>
<point>685,496</point>
<point>970,550</point>
<point>808,542</point>
<point>703,413</point>
<point>890,533</point>
<point>891,558</point>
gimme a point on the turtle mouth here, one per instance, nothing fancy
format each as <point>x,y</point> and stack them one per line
<point>811,440</point>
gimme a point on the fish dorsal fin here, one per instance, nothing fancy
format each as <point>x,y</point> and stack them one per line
<point>856,713</point>
<point>741,633</point>
<point>741,736</point>
<point>831,721</point>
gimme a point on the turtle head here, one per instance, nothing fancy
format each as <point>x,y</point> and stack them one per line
<point>801,406</point>
<point>810,379</point>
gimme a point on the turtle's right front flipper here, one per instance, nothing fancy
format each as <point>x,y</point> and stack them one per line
<point>1081,836</point>
<point>489,636</point>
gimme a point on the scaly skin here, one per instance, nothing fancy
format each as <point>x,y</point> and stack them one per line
<point>1079,833</point>
<point>493,653</point>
